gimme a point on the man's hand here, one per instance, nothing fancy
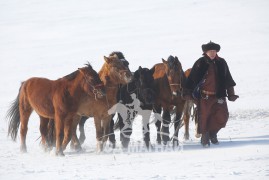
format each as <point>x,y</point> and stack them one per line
<point>232,97</point>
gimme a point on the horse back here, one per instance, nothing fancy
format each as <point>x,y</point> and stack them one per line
<point>187,72</point>
<point>39,94</point>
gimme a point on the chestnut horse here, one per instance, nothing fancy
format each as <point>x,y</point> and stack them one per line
<point>112,85</point>
<point>53,99</point>
<point>169,80</point>
<point>113,73</point>
<point>190,108</point>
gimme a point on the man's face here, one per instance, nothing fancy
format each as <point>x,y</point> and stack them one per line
<point>211,53</point>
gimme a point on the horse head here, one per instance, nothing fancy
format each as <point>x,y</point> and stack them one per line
<point>121,57</point>
<point>175,74</point>
<point>144,81</point>
<point>117,71</point>
<point>92,82</point>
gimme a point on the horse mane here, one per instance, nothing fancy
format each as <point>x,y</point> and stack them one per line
<point>71,76</point>
<point>118,54</point>
<point>137,74</point>
<point>171,60</point>
<point>74,74</point>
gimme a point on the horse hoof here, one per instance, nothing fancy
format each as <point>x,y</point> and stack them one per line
<point>99,147</point>
<point>77,148</point>
<point>175,143</point>
<point>148,145</point>
<point>47,149</point>
<point>186,137</point>
<point>112,145</point>
<point>81,139</point>
<point>165,143</point>
<point>125,144</point>
<point>23,150</point>
<point>198,135</point>
<point>60,153</point>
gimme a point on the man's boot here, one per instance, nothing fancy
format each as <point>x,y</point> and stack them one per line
<point>205,140</point>
<point>213,138</point>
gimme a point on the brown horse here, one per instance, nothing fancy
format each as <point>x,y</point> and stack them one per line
<point>110,88</point>
<point>169,80</point>
<point>113,73</point>
<point>53,99</point>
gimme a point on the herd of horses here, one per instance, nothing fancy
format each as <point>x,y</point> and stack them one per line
<point>67,102</point>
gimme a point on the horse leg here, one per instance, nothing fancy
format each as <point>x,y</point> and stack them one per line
<point>82,136</point>
<point>165,125</point>
<point>146,134</point>
<point>125,130</point>
<point>176,128</point>
<point>44,132</point>
<point>75,143</point>
<point>106,129</point>
<point>111,136</point>
<point>59,129</point>
<point>186,119</point>
<point>99,134</point>
<point>25,112</point>
<point>197,133</point>
<point>158,123</point>
<point>51,138</point>
<point>68,124</point>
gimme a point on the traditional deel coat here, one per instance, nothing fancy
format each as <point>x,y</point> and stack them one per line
<point>212,113</point>
<point>223,76</point>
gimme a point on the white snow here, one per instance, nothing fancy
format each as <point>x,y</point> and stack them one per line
<point>51,39</point>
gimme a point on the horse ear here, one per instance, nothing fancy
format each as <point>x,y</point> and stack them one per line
<point>176,58</point>
<point>164,61</point>
<point>116,56</point>
<point>107,59</point>
<point>140,68</point>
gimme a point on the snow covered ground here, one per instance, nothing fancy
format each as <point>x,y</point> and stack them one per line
<point>53,38</point>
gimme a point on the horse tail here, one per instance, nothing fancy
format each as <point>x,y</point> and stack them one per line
<point>51,133</point>
<point>13,114</point>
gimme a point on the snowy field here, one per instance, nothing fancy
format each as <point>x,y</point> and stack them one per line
<point>51,39</point>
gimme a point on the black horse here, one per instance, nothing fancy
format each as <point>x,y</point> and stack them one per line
<point>137,97</point>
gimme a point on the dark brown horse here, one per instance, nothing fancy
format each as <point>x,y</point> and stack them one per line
<point>54,99</point>
<point>169,82</point>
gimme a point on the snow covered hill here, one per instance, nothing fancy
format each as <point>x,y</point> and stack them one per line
<point>53,38</point>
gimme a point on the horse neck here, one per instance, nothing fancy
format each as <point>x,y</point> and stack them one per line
<point>110,86</point>
<point>125,92</point>
<point>75,87</point>
<point>161,80</point>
